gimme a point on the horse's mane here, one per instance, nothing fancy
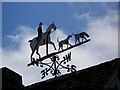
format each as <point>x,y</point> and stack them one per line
<point>48,29</point>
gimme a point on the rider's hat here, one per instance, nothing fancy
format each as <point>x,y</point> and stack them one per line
<point>40,23</point>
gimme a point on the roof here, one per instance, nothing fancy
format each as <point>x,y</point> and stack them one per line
<point>10,75</point>
<point>92,78</point>
<point>10,80</point>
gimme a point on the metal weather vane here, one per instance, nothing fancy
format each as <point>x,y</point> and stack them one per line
<point>55,63</point>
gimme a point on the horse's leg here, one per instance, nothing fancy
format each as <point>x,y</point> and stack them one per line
<point>33,50</point>
<point>37,52</point>
<point>47,40</point>
<point>59,47</point>
<point>31,56</point>
<point>52,44</point>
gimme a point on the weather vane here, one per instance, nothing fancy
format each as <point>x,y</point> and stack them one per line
<point>55,63</point>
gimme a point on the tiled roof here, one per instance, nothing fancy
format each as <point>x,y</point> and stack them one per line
<point>92,78</point>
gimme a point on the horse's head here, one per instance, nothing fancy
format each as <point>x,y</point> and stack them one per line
<point>53,26</point>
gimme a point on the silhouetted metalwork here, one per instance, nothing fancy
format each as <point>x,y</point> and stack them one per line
<point>65,41</point>
<point>79,36</point>
<point>46,39</point>
<point>55,63</point>
<point>55,53</point>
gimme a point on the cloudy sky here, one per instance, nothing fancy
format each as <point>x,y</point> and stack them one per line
<point>20,21</point>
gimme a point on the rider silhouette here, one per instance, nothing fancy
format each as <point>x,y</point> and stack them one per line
<point>39,30</point>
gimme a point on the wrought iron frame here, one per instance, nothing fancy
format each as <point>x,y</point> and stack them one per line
<point>54,65</point>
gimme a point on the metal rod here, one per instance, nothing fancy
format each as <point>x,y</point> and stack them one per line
<point>55,53</point>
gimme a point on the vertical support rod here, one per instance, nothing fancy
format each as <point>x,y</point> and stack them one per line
<point>54,62</point>
<point>47,43</point>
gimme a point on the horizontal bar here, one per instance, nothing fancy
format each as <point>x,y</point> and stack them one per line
<point>55,53</point>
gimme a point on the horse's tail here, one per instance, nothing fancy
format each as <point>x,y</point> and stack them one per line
<point>58,40</point>
<point>30,41</point>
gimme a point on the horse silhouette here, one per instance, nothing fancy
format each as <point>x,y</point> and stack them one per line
<point>46,39</point>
